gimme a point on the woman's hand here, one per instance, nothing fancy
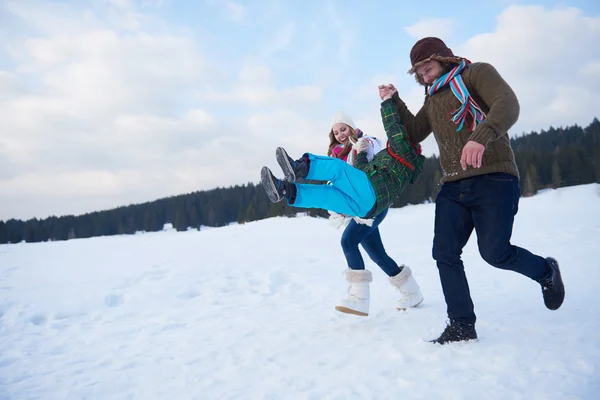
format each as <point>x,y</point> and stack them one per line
<point>386,91</point>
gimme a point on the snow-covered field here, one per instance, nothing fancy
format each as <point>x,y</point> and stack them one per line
<point>247,312</point>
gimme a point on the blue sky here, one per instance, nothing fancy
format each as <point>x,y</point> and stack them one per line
<point>108,103</point>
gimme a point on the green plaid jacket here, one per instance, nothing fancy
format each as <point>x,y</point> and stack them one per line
<point>389,176</point>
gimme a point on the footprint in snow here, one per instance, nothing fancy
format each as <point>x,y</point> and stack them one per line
<point>114,300</point>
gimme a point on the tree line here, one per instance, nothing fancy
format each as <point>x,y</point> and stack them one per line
<point>554,158</point>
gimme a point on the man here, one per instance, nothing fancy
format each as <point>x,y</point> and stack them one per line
<point>469,108</point>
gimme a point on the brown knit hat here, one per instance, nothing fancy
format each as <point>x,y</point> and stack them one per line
<point>431,48</point>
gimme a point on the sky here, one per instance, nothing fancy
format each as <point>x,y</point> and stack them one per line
<point>105,103</point>
<point>179,315</point>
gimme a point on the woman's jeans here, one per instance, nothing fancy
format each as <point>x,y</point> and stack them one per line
<point>370,239</point>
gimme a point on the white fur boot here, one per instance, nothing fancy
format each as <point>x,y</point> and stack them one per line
<point>358,292</point>
<point>410,294</point>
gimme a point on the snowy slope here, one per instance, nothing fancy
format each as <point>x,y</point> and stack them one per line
<point>246,312</point>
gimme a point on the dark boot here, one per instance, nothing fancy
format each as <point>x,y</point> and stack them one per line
<point>553,288</point>
<point>457,332</point>
<point>277,189</point>
<point>293,170</point>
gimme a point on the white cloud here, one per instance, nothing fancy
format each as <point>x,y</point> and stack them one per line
<point>293,130</point>
<point>256,86</point>
<point>369,90</point>
<point>439,27</point>
<point>255,74</point>
<point>89,84</point>
<point>344,31</point>
<point>280,40</point>
<point>9,85</point>
<point>95,112</point>
<point>590,70</point>
<point>49,18</point>
<point>121,3</point>
<point>108,105</point>
<point>550,57</point>
<point>236,11</point>
<point>117,116</point>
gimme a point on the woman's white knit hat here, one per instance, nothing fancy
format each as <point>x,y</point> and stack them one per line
<point>340,117</point>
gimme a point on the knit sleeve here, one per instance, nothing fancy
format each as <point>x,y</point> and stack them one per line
<point>417,126</point>
<point>498,96</point>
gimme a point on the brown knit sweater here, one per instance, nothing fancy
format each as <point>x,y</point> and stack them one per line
<point>495,98</point>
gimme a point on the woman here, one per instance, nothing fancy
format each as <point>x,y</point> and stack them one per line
<point>341,136</point>
<point>366,191</point>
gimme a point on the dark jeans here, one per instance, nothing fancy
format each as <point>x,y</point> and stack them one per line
<point>487,203</point>
<point>370,239</point>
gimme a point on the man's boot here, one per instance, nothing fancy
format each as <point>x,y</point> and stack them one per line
<point>553,288</point>
<point>457,332</point>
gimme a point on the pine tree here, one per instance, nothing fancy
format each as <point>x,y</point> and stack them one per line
<point>3,233</point>
<point>557,180</point>
<point>180,222</point>
<point>250,214</point>
<point>531,182</point>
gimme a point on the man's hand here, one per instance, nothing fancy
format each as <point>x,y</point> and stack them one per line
<point>392,89</point>
<point>472,154</point>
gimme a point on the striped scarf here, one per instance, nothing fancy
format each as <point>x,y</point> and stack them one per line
<point>468,105</point>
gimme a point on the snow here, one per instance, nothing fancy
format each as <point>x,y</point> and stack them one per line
<point>247,312</point>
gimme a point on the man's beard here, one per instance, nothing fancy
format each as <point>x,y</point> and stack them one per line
<point>445,69</point>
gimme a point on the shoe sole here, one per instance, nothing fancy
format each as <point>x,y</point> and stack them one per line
<point>284,162</point>
<point>350,311</point>
<point>456,341</point>
<point>406,308</point>
<point>266,178</point>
